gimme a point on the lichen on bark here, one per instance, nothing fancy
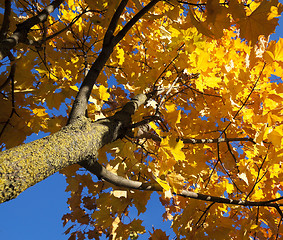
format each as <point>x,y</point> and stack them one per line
<point>23,166</point>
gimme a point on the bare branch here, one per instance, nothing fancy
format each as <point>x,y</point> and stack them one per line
<point>162,100</point>
<point>145,121</point>
<point>80,104</point>
<point>231,151</point>
<point>214,167</point>
<point>65,28</point>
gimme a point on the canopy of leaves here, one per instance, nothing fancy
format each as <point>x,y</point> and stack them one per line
<point>213,124</point>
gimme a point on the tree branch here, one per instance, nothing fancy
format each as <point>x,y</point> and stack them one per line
<point>65,28</point>
<point>80,104</point>
<point>133,21</point>
<point>30,163</point>
<point>20,35</point>
<point>215,140</point>
<point>113,24</point>
<point>192,4</point>
<point>119,181</point>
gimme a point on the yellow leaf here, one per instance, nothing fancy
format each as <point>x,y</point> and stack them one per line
<point>104,95</point>
<point>170,107</point>
<point>258,194</point>
<point>276,136</point>
<point>178,117</point>
<point>168,74</point>
<point>163,184</point>
<point>101,93</point>
<point>248,115</point>
<point>174,32</point>
<point>269,104</point>
<point>136,227</point>
<point>40,112</point>
<point>217,18</point>
<point>158,234</point>
<point>155,128</point>
<point>120,56</point>
<point>228,186</point>
<point>201,27</point>
<point>212,82</point>
<point>174,147</point>
<point>268,57</point>
<point>75,59</point>
<point>75,88</point>
<point>176,181</point>
<point>42,71</point>
<point>278,52</point>
<point>275,170</point>
<point>254,226</point>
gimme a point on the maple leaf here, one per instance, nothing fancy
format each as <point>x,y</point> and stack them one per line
<point>158,234</point>
<point>274,51</point>
<point>262,21</point>
<point>217,18</point>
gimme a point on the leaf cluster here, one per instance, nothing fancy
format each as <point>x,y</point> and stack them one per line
<point>212,123</point>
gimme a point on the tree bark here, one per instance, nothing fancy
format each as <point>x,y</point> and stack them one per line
<point>23,166</point>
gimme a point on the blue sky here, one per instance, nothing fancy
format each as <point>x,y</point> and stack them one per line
<point>36,214</point>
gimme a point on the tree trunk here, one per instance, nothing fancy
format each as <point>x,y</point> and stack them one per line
<point>23,166</point>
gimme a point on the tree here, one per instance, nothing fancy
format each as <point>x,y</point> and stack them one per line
<point>179,97</point>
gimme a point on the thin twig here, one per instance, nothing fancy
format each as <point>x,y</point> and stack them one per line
<point>247,98</point>
<point>168,65</point>
<point>257,178</point>
<point>214,167</point>
<point>162,100</point>
<point>205,213</point>
<point>11,78</point>
<point>277,234</point>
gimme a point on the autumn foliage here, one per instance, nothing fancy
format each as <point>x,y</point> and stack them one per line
<point>209,135</point>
